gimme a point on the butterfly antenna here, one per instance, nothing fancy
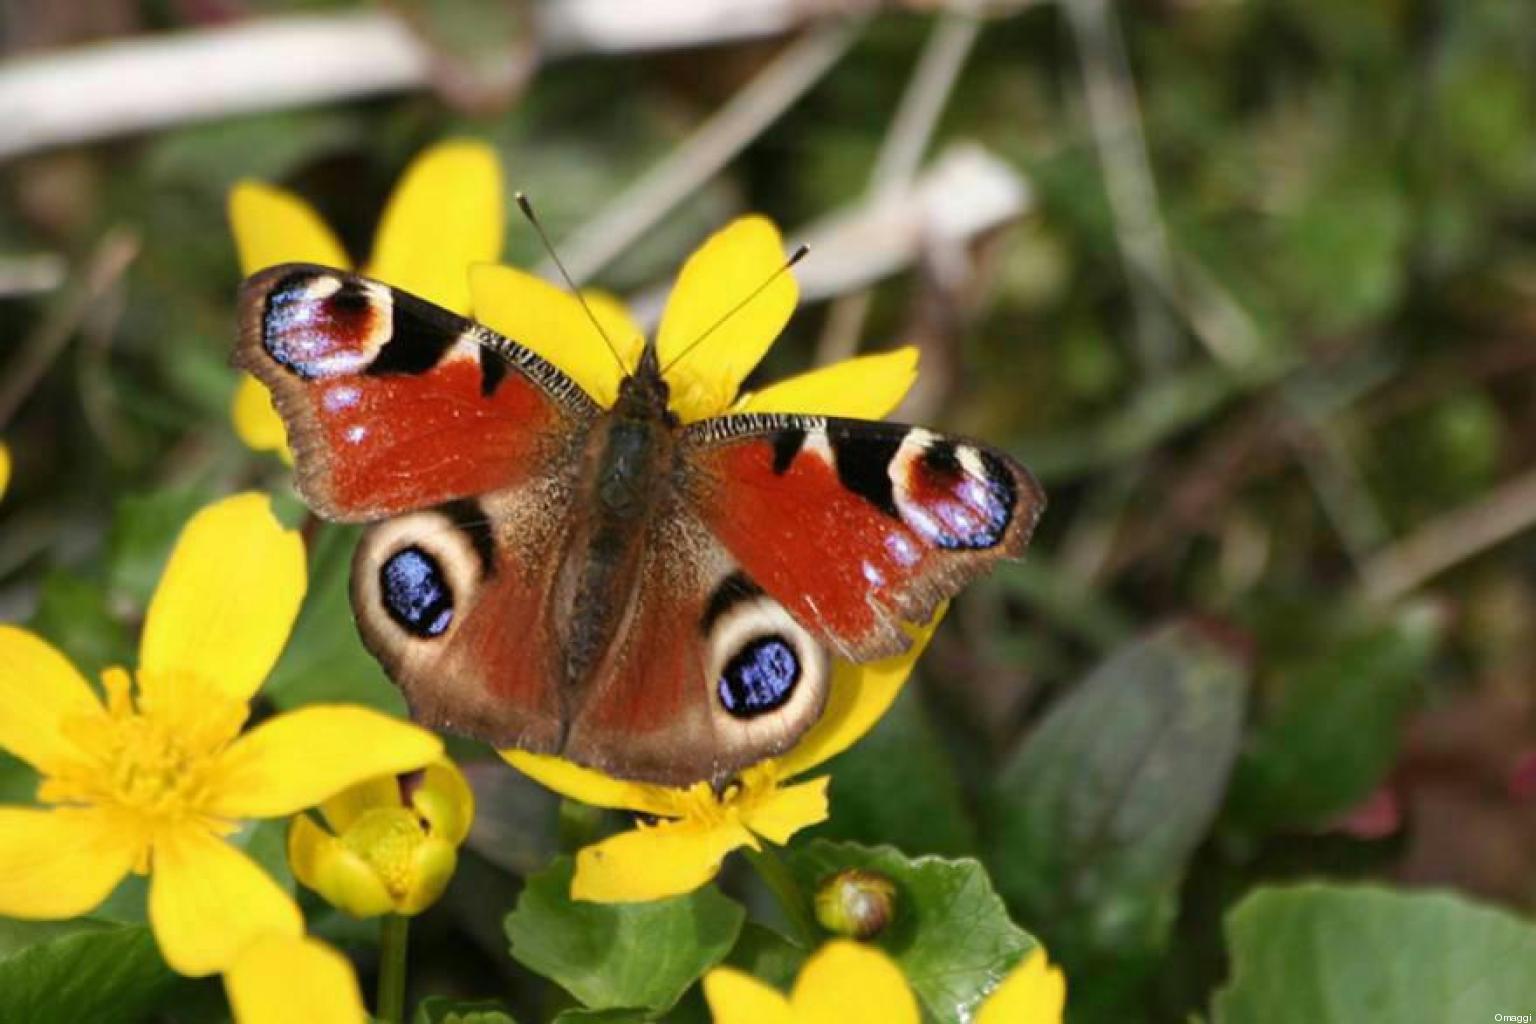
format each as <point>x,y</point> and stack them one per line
<point>527,208</point>
<point>795,257</point>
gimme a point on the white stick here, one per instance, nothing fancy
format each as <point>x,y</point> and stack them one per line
<point>134,85</point>
<point>1454,537</point>
<point>964,193</point>
<point>595,244</point>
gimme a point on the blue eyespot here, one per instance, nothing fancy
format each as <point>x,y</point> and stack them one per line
<point>760,678</point>
<point>416,594</point>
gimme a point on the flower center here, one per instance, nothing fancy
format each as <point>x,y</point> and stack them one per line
<point>388,838</point>
<point>154,758</point>
<point>733,804</point>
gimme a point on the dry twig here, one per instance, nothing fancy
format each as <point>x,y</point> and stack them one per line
<point>761,102</point>
<point>966,192</point>
<point>135,85</point>
<point>1451,539</point>
<point>37,352</point>
<point>949,44</point>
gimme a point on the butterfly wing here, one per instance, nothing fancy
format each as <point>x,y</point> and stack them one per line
<point>786,540</point>
<point>706,675</point>
<point>394,404</point>
<point>467,446</point>
<point>456,603</point>
<point>777,540</point>
<point>856,526</point>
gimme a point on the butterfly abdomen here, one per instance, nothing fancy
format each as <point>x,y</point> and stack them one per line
<point>627,461</point>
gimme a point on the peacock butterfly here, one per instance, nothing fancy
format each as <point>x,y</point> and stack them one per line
<point>657,600</point>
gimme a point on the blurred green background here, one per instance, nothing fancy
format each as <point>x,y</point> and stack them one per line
<point>1260,312</point>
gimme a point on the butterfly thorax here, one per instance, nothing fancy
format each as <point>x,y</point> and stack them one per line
<point>625,477</point>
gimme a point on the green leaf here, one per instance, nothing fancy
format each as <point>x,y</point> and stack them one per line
<point>210,158</point>
<point>1098,812</point>
<point>143,533</point>
<point>951,934</point>
<point>72,614</point>
<point>766,955</point>
<point>1331,731</point>
<point>1335,954</point>
<point>1436,457</point>
<point>266,842</point>
<point>486,51</point>
<point>898,786</point>
<point>18,780</point>
<point>614,956</point>
<point>17,935</point>
<point>325,660</point>
<point>82,971</point>
<point>443,1010</point>
<point>580,1016</point>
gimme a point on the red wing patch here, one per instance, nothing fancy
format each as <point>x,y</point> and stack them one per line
<point>855,526</point>
<point>393,404</point>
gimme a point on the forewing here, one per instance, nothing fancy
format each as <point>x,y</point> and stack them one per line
<point>856,526</point>
<point>393,404</point>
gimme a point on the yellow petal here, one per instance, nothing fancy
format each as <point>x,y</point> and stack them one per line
<point>788,809</point>
<point>432,867</point>
<point>300,758</point>
<point>308,847</point>
<point>342,809</point>
<point>279,979</point>
<point>866,388</point>
<point>445,214</point>
<point>593,787</point>
<point>323,863</point>
<point>737,998</point>
<point>742,258</point>
<point>549,320</point>
<point>5,468</point>
<point>208,901</point>
<point>847,983</point>
<point>227,601</point>
<point>272,226</point>
<point>63,862</point>
<point>650,863</point>
<point>39,689</point>
<point>445,800</point>
<point>859,695</point>
<point>1033,993</point>
<point>256,420</point>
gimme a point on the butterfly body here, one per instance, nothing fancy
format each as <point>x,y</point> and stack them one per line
<point>629,468</point>
<point>657,599</point>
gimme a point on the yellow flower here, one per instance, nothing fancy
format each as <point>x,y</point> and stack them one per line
<point>725,270</point>
<point>5,468</point>
<point>393,842</point>
<point>848,983</point>
<point>1033,993</point>
<point>699,826</point>
<point>155,779</point>
<point>279,979</point>
<point>446,213</point>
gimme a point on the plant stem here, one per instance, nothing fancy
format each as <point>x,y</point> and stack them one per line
<point>394,936</point>
<point>792,900</point>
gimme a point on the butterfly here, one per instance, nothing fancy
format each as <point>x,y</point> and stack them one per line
<point>656,599</point>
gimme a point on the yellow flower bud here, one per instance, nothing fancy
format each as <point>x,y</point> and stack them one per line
<point>855,903</point>
<point>392,845</point>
